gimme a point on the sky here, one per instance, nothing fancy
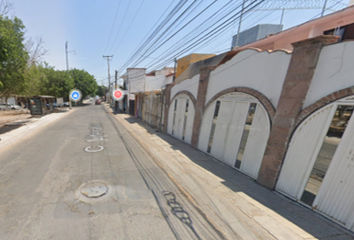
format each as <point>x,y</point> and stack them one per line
<point>94,29</point>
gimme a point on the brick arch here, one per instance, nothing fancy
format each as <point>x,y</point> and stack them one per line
<point>190,95</point>
<point>330,98</point>
<point>254,93</point>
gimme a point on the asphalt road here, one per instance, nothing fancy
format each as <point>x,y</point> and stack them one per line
<point>86,177</point>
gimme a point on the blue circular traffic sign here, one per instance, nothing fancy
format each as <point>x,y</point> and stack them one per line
<point>75,95</point>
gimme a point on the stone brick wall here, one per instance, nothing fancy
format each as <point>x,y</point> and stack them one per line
<point>254,93</point>
<point>200,103</point>
<point>298,79</point>
<point>323,102</point>
<point>167,104</point>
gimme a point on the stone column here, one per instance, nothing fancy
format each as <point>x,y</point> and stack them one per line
<point>200,104</point>
<point>301,69</point>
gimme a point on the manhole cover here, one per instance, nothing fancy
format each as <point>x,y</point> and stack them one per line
<point>94,189</point>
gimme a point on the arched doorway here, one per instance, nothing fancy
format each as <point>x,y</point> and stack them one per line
<point>235,129</point>
<point>181,117</point>
<point>318,168</point>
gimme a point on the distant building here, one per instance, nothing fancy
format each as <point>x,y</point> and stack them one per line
<point>255,33</point>
<point>183,63</point>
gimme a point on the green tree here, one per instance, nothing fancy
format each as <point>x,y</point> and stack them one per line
<point>32,83</point>
<point>85,82</point>
<point>13,56</point>
<point>101,90</point>
<point>54,82</point>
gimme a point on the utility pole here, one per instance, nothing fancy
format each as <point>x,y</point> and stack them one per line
<point>174,71</point>
<point>324,8</point>
<point>240,22</point>
<point>109,79</point>
<point>67,57</point>
<point>116,87</point>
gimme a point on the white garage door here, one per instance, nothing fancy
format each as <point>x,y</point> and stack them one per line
<point>318,168</point>
<point>235,129</point>
<point>180,118</point>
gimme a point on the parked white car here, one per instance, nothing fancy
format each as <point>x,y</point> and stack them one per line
<point>3,106</point>
<point>15,107</point>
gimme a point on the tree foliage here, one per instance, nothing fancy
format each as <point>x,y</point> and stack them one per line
<point>42,79</point>
<point>101,90</point>
<point>35,49</point>
<point>13,56</point>
<point>54,82</point>
<point>20,70</point>
<point>85,82</point>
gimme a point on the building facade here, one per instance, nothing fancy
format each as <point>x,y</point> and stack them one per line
<point>282,117</point>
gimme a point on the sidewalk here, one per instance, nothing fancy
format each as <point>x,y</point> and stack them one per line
<point>231,200</point>
<point>25,126</point>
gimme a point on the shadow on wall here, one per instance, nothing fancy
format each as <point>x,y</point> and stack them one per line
<point>240,183</point>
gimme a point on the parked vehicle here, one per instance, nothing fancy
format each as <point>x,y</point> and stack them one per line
<point>15,107</point>
<point>3,106</point>
<point>98,102</point>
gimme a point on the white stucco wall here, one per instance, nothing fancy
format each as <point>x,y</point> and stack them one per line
<point>136,81</point>
<point>334,71</point>
<point>169,80</point>
<point>190,85</point>
<point>262,71</point>
<point>157,82</point>
<point>154,82</point>
<point>137,84</point>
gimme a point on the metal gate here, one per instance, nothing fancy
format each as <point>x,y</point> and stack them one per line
<point>318,168</point>
<point>235,129</point>
<point>180,118</point>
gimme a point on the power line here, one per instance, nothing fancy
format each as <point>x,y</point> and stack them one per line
<point>179,5</point>
<point>113,23</point>
<point>120,25</point>
<point>212,32</point>
<point>157,38</point>
<point>140,45</point>
<point>196,33</point>
<point>197,38</point>
<point>128,28</point>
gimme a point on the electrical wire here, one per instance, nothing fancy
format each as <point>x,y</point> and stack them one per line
<point>170,26</point>
<point>212,32</point>
<point>197,31</point>
<point>179,5</point>
<point>168,56</point>
<point>113,23</point>
<point>146,36</point>
<point>171,36</point>
<point>120,25</point>
<point>128,28</point>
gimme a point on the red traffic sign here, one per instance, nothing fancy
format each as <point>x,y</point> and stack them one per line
<point>118,95</point>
